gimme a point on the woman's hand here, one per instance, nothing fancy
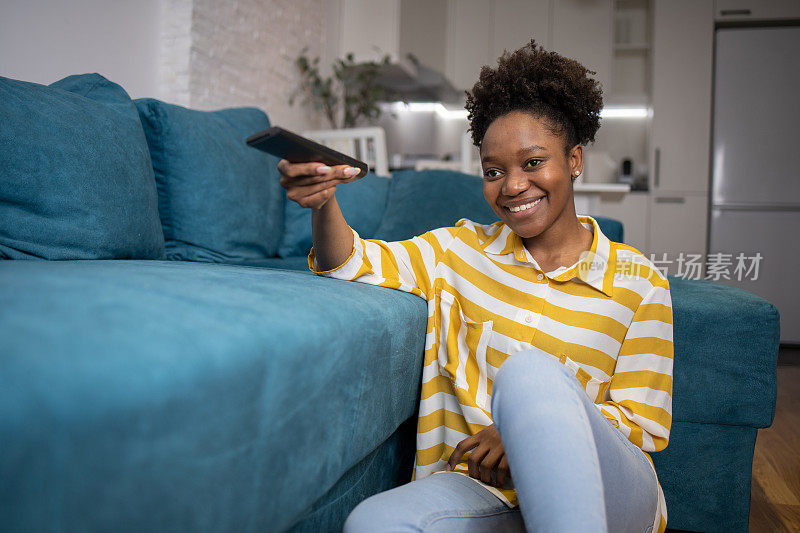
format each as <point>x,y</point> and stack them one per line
<point>487,456</point>
<point>312,184</point>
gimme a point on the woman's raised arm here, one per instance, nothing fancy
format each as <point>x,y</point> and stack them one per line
<point>312,185</point>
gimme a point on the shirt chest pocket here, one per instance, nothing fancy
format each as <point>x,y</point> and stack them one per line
<point>595,388</point>
<point>462,353</point>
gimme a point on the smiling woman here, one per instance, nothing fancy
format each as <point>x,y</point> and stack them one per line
<point>527,181</point>
<point>530,117</point>
<point>547,370</point>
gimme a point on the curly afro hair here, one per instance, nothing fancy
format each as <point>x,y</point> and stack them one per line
<point>540,82</point>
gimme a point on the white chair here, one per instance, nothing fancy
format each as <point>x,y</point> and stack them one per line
<point>468,161</point>
<point>470,157</point>
<point>366,144</point>
<point>436,164</point>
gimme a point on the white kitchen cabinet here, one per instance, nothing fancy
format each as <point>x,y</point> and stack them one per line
<point>630,78</point>
<point>479,30</point>
<point>369,28</point>
<point>422,34</point>
<point>583,30</point>
<point>683,38</point>
<point>678,224</point>
<point>516,22</point>
<point>473,33</point>
<point>469,41</point>
<point>632,210</point>
<point>743,10</point>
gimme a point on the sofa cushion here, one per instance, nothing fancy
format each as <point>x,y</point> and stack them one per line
<point>362,203</point>
<point>219,199</point>
<point>297,263</point>
<point>416,204</point>
<point>139,395</point>
<point>76,180</point>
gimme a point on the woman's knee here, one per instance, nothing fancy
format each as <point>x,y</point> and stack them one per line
<point>531,378</point>
<point>360,518</point>
<point>367,516</point>
<point>527,367</point>
<point>393,510</point>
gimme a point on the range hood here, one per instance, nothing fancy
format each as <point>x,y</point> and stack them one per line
<point>410,81</point>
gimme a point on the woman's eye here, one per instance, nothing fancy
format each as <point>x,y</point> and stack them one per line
<point>491,173</point>
<point>533,162</point>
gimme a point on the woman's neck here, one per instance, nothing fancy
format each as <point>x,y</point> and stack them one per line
<point>561,244</point>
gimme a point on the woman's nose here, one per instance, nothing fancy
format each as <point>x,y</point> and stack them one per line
<point>515,183</point>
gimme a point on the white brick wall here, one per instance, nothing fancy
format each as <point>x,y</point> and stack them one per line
<point>227,53</point>
<point>176,43</point>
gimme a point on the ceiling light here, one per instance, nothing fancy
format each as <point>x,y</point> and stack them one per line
<point>625,112</point>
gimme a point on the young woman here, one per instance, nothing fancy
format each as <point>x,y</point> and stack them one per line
<point>548,363</point>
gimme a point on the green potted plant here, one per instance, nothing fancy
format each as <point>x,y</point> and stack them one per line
<point>349,95</point>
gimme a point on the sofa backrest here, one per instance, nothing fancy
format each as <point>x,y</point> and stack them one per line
<point>90,174</point>
<point>76,181</point>
<point>219,199</point>
<point>420,201</point>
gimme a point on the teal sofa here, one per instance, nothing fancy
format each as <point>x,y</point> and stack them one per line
<point>168,363</point>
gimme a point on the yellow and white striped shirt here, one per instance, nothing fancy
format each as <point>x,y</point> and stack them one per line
<point>608,317</point>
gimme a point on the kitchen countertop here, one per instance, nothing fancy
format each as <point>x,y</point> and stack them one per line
<point>620,188</point>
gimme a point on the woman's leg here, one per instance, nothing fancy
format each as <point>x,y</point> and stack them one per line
<point>573,470</point>
<point>443,502</point>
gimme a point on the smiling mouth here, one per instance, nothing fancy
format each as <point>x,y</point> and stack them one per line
<point>524,207</point>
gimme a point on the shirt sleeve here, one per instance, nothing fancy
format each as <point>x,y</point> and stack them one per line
<point>405,265</point>
<point>641,386</point>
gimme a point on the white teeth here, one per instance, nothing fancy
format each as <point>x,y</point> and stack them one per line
<point>524,207</point>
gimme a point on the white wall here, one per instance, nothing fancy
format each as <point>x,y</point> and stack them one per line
<point>44,40</point>
<point>204,54</point>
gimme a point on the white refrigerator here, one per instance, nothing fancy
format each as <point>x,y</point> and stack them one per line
<point>755,199</point>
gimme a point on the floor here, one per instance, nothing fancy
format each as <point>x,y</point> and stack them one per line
<point>775,488</point>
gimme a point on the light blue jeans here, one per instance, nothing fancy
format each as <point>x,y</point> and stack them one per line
<point>573,471</point>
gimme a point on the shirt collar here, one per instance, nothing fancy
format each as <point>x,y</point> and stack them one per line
<point>595,267</point>
<point>502,241</point>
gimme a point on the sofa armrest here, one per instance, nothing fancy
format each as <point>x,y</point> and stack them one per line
<point>726,352</point>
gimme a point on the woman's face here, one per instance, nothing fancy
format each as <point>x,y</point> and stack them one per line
<point>527,178</point>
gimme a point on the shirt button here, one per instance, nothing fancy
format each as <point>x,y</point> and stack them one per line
<point>540,277</point>
<point>529,319</point>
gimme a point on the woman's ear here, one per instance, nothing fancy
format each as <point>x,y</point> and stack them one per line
<point>575,161</point>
